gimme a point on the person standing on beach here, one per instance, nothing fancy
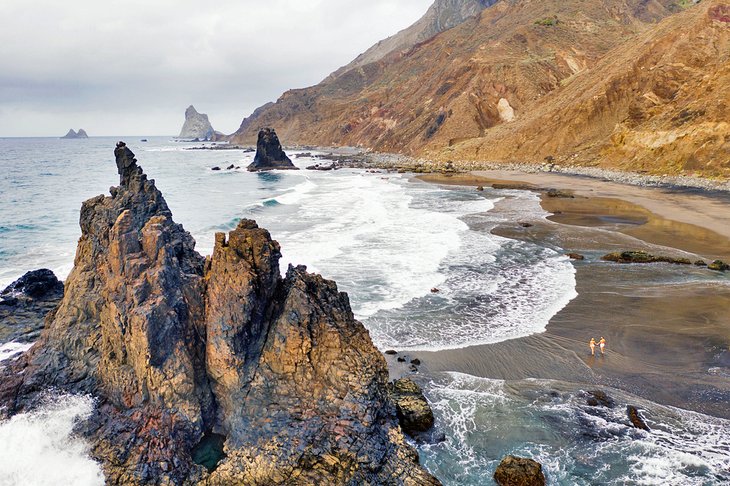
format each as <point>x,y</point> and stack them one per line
<point>592,344</point>
<point>602,344</point>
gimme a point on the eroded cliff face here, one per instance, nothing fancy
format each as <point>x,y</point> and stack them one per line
<point>175,347</point>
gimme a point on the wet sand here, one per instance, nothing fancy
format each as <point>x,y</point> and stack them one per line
<point>667,327</point>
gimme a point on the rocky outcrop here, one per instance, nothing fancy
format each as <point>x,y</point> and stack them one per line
<point>197,126</point>
<point>517,471</point>
<point>25,303</point>
<point>269,154</point>
<point>261,379</point>
<point>414,412</point>
<point>643,257</point>
<point>719,266</point>
<point>73,134</point>
<point>636,419</point>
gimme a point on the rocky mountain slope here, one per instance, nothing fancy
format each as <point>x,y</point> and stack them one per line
<point>633,84</point>
<point>441,16</point>
<point>271,377</point>
<point>196,125</point>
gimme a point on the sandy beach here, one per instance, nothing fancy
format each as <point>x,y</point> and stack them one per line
<point>667,326</point>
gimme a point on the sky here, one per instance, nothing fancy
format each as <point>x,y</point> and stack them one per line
<point>132,67</point>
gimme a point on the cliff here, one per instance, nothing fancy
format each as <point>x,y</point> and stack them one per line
<point>210,371</point>
<point>197,125</point>
<point>631,84</point>
<point>73,134</point>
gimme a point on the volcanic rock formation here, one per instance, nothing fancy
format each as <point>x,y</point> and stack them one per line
<point>72,134</point>
<point>631,84</point>
<point>269,154</point>
<point>197,126</point>
<point>25,303</point>
<point>264,379</point>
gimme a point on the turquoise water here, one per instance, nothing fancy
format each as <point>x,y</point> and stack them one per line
<point>387,240</point>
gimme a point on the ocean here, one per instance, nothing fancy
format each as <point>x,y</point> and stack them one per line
<point>387,240</point>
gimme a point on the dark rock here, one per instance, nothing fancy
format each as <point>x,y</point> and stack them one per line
<point>401,359</point>
<point>413,368</point>
<point>559,194</point>
<point>174,347</point>
<point>435,290</point>
<point>700,263</point>
<point>414,412</point>
<point>215,168</point>
<point>391,352</point>
<point>526,225</point>
<point>231,167</point>
<point>269,154</point>
<point>37,284</point>
<point>719,266</point>
<point>636,420</point>
<point>480,188</point>
<point>518,471</point>
<point>643,257</point>
<point>25,303</point>
<point>599,398</point>
<point>416,361</point>
<point>575,256</point>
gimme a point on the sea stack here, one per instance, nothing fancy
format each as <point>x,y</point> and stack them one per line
<point>197,126</point>
<point>73,134</point>
<point>269,154</point>
<point>271,377</point>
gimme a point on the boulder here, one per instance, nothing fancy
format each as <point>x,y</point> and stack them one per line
<point>635,418</point>
<point>210,371</point>
<point>719,266</point>
<point>414,412</point>
<point>518,471</point>
<point>575,256</point>
<point>269,154</point>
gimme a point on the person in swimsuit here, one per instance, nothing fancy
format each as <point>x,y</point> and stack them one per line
<point>592,344</point>
<point>602,344</point>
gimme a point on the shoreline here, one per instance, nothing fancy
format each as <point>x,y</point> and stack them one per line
<point>666,343</point>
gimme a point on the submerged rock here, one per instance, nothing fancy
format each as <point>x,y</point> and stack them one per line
<point>414,412</point>
<point>643,257</point>
<point>599,398</point>
<point>269,154</point>
<point>719,266</point>
<point>210,371</point>
<point>575,256</point>
<point>518,471</point>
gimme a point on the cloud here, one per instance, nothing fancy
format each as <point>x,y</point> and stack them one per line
<point>132,67</point>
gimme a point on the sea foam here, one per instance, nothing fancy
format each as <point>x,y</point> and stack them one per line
<point>40,449</point>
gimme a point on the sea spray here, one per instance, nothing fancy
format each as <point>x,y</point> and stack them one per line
<point>39,448</point>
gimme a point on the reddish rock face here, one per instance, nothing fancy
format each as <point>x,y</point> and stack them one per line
<point>176,347</point>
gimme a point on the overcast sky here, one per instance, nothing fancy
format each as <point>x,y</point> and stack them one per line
<point>131,67</point>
